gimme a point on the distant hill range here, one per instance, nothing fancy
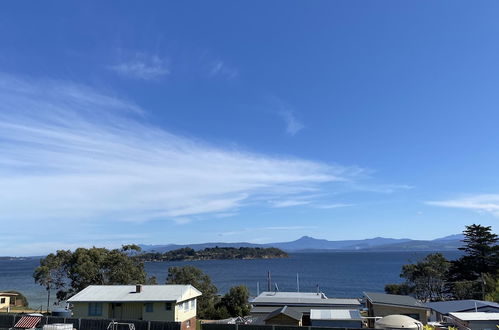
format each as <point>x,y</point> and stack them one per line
<point>307,243</point>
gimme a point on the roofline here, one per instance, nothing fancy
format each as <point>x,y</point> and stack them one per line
<point>302,304</point>
<point>393,304</point>
<point>120,301</point>
<point>399,305</point>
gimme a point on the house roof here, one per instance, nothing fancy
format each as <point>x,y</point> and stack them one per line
<point>476,316</point>
<point>8,294</point>
<point>300,299</point>
<point>288,311</point>
<point>394,299</point>
<point>445,307</point>
<point>335,314</point>
<point>127,293</point>
<point>302,309</point>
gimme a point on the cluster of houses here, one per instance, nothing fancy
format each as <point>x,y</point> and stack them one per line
<point>178,303</point>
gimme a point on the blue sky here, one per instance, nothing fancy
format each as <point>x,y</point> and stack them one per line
<point>183,122</point>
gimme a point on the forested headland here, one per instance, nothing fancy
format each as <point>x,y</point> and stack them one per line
<point>213,253</point>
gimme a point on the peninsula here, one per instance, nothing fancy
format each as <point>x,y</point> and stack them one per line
<point>188,253</point>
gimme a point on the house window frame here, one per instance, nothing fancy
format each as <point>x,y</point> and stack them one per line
<point>149,307</point>
<point>168,306</point>
<point>95,309</point>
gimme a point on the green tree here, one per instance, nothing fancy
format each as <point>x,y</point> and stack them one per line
<point>401,289</point>
<point>236,301</point>
<point>70,272</point>
<point>481,254</point>
<point>195,277</point>
<point>51,273</point>
<point>427,278</point>
<point>470,273</point>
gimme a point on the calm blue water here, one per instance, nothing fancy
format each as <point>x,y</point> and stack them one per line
<point>339,274</point>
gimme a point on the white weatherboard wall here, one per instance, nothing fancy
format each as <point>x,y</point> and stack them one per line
<point>6,301</point>
<point>183,314</point>
<point>159,313</point>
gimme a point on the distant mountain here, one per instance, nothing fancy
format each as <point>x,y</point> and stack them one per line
<point>310,243</point>
<point>414,245</point>
<point>307,243</point>
<point>455,237</point>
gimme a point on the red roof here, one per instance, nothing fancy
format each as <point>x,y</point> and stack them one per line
<point>27,322</point>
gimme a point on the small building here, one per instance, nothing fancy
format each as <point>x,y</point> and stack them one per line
<point>336,318</point>
<point>441,309</point>
<point>172,303</point>
<point>475,320</point>
<point>7,299</point>
<point>284,316</point>
<point>382,304</point>
<point>303,302</point>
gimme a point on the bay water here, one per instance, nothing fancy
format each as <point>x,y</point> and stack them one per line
<point>338,274</point>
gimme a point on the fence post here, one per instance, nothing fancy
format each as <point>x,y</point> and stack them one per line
<point>79,323</point>
<point>13,320</point>
<point>273,327</point>
<point>237,326</point>
<point>148,325</point>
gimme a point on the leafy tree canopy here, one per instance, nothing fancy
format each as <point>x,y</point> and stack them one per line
<point>481,254</point>
<point>70,272</point>
<point>195,277</point>
<point>236,301</point>
<point>427,278</point>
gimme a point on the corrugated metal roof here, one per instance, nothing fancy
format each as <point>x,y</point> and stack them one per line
<point>27,322</point>
<point>335,314</point>
<point>300,298</point>
<point>394,299</point>
<point>289,312</point>
<point>478,316</point>
<point>127,293</point>
<point>445,307</point>
<point>270,309</point>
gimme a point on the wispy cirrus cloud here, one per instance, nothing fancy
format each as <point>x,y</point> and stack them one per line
<point>265,229</point>
<point>333,206</point>
<point>293,125</point>
<point>288,115</point>
<point>69,152</point>
<point>488,203</point>
<point>142,66</point>
<point>221,68</point>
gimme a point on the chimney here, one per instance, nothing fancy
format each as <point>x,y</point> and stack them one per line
<point>138,288</point>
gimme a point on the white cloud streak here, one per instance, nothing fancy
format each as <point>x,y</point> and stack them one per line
<point>69,152</point>
<point>488,203</point>
<point>293,125</point>
<point>220,68</point>
<point>142,66</point>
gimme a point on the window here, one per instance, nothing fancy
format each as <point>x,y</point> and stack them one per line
<point>186,306</point>
<point>95,309</point>
<point>2,300</point>
<point>188,324</point>
<point>168,306</point>
<point>193,303</point>
<point>149,307</point>
<point>180,306</point>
